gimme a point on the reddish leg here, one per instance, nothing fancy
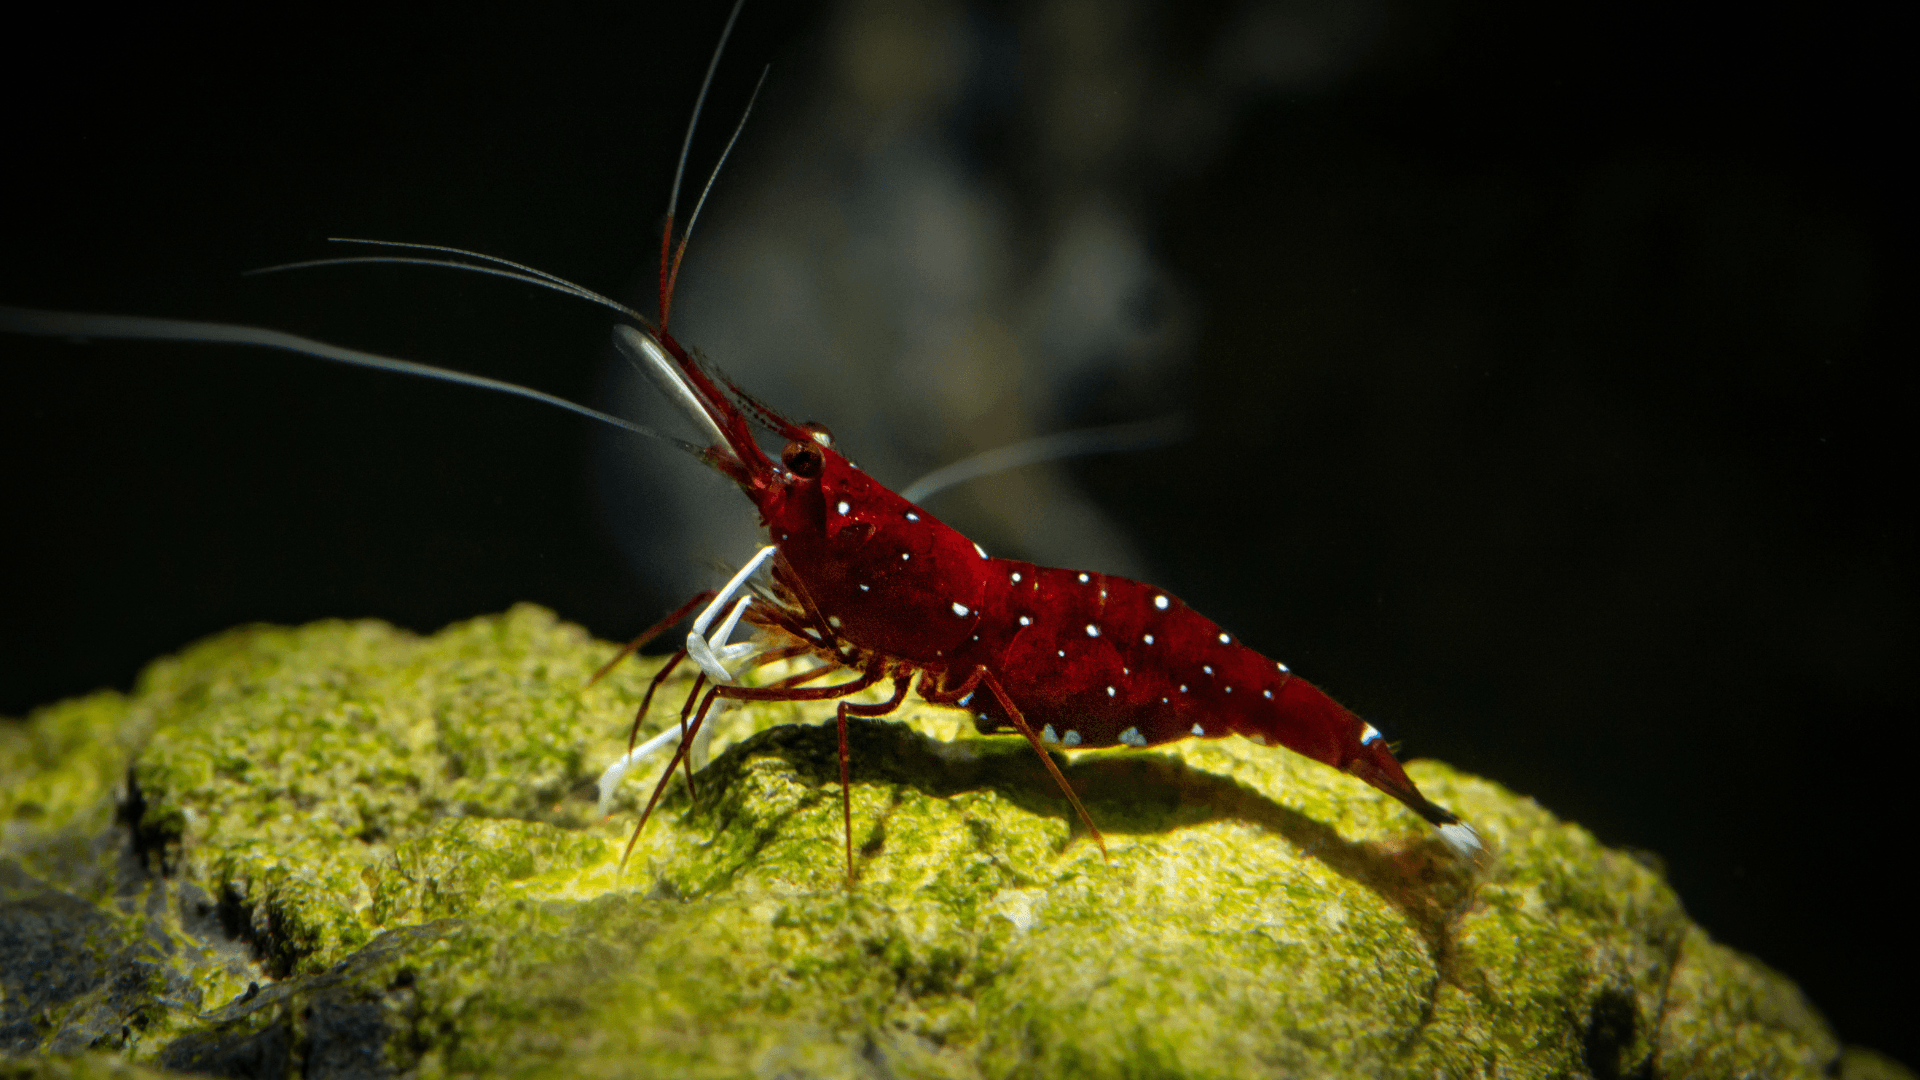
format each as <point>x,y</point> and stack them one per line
<point>775,656</point>
<point>686,708</point>
<point>611,778</point>
<point>633,733</point>
<point>741,693</point>
<point>900,684</point>
<point>982,677</point>
<point>652,632</point>
<point>804,677</point>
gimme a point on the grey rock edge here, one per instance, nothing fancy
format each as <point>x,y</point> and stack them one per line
<point>342,850</point>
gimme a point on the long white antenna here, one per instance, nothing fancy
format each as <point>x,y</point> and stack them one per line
<point>73,324</point>
<point>543,280</point>
<point>534,270</point>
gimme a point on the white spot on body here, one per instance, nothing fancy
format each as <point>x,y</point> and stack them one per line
<point>1016,577</point>
<point>866,588</point>
<point>1132,737</point>
<point>1198,730</point>
<point>1160,602</point>
<point>1083,579</point>
<point>904,556</point>
<point>833,621</point>
<point>1148,639</point>
<point>1072,739</point>
<point>911,516</point>
<point>960,609</point>
<point>981,550</point>
<point>1225,639</point>
<point>843,507</point>
<point>1183,688</point>
<point>1109,691</point>
<point>1229,689</point>
<point>1025,621</point>
<point>1063,654</point>
<point>1047,735</point>
<point>1280,665</point>
<point>1092,630</point>
<point>1208,668</point>
<point>1369,734</point>
<point>1269,694</point>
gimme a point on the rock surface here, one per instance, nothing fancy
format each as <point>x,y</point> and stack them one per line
<point>343,850</point>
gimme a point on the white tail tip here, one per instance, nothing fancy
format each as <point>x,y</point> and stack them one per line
<point>1461,838</point>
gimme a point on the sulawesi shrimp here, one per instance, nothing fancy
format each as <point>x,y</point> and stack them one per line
<point>870,585</point>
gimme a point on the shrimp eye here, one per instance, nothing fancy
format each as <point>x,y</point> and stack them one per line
<point>819,431</point>
<point>803,459</point>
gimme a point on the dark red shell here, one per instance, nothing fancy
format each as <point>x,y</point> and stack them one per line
<point>890,577</point>
<point>1089,660</point>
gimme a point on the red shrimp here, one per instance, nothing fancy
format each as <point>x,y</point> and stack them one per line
<point>874,585</point>
<point>871,584</point>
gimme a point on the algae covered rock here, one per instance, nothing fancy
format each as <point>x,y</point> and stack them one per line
<point>346,850</point>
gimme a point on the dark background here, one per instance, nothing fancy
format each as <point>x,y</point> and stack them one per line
<point>1548,402</point>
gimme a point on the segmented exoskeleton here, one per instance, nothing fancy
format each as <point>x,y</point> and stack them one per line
<point>873,585</point>
<point>870,585</point>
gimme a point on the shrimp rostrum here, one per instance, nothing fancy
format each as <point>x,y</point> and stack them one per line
<point>878,588</point>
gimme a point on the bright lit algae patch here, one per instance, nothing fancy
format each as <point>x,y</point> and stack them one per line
<point>401,832</point>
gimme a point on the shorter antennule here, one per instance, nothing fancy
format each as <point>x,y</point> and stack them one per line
<point>680,252</point>
<point>670,266</point>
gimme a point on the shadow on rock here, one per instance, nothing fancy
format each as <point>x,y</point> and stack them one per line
<point>1135,793</point>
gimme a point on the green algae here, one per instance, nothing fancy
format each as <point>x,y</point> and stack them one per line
<point>64,771</point>
<point>398,832</point>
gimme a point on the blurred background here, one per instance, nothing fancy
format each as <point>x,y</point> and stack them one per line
<point>1540,361</point>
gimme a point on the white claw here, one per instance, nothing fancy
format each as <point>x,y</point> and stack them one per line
<point>702,739</point>
<point>721,635</point>
<point>610,780</point>
<point>702,654</point>
<point>1461,838</point>
<point>712,653</point>
<point>617,771</point>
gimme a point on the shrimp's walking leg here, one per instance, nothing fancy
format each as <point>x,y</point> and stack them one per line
<point>982,677</point>
<point>673,736</point>
<point>900,684</point>
<point>744,693</point>
<point>651,632</point>
<point>610,779</point>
